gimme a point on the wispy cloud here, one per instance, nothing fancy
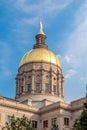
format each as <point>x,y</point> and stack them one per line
<point>74,57</point>
<point>5,55</point>
<point>77,39</point>
<point>41,9</point>
<point>70,73</point>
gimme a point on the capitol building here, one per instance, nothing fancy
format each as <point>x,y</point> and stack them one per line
<point>40,91</point>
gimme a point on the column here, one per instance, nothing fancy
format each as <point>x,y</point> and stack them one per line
<point>59,84</point>
<point>33,82</point>
<point>24,84</point>
<point>17,87</point>
<point>51,81</point>
<point>42,81</point>
<point>62,88</point>
<point>60,121</point>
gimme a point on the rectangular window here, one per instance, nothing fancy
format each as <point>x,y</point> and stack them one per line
<point>54,89</point>
<point>54,121</point>
<point>66,121</point>
<point>29,87</point>
<point>45,123</point>
<point>37,87</point>
<point>46,87</point>
<point>22,89</point>
<point>9,119</point>
<point>29,77</point>
<point>34,124</point>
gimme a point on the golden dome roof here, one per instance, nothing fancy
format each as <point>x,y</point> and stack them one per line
<point>39,55</point>
<point>40,51</point>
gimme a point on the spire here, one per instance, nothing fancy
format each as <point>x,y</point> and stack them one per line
<point>41,27</point>
<point>40,38</point>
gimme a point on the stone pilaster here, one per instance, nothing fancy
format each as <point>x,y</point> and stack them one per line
<point>51,81</point>
<point>17,87</point>
<point>24,83</point>
<point>62,87</point>
<point>42,81</point>
<point>33,82</point>
<point>59,84</point>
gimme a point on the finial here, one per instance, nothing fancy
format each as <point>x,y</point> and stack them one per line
<point>41,27</point>
<point>40,38</point>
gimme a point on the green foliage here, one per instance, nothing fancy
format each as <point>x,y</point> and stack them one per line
<point>81,123</point>
<point>17,123</point>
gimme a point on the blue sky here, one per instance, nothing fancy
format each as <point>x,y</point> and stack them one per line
<point>64,23</point>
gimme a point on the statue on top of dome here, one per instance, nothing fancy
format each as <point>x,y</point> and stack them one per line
<point>41,26</point>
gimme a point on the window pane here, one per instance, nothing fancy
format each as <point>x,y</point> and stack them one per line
<point>34,124</point>
<point>66,121</point>
<point>54,87</point>
<point>37,87</point>
<point>29,87</point>
<point>29,77</point>
<point>46,88</point>
<point>54,121</point>
<point>21,88</point>
<point>9,120</point>
<point>45,123</point>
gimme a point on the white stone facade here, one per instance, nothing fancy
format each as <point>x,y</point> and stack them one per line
<point>57,111</point>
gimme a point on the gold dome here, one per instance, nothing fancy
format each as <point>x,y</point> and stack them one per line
<point>39,55</point>
<point>40,52</point>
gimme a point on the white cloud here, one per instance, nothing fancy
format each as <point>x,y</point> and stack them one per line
<point>70,73</point>
<point>77,39</point>
<point>67,59</point>
<point>41,9</point>
<point>76,46</point>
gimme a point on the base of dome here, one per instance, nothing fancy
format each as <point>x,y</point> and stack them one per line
<point>39,100</point>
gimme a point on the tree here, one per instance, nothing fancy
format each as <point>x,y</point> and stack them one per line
<point>16,123</point>
<point>81,123</point>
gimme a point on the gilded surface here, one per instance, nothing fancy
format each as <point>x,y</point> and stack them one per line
<point>40,54</point>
